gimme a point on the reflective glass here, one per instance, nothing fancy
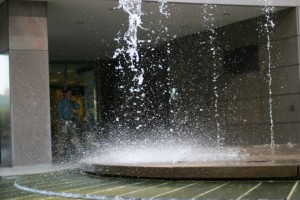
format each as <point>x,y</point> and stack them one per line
<point>4,108</point>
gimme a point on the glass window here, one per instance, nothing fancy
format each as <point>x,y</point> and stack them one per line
<point>4,108</point>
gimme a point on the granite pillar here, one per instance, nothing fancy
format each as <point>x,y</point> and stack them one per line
<point>29,84</point>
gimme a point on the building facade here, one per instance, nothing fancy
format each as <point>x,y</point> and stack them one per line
<point>219,67</point>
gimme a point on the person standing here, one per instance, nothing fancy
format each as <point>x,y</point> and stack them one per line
<point>68,143</point>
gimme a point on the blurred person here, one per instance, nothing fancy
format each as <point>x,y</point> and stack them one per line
<point>68,121</point>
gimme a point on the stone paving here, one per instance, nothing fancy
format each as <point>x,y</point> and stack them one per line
<point>64,183</point>
<point>74,183</point>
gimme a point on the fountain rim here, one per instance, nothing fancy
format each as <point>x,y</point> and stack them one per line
<point>280,162</point>
<point>282,3</point>
<point>249,170</point>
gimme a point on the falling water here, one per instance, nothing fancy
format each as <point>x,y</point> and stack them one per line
<point>209,19</point>
<point>129,51</point>
<point>268,27</point>
<point>163,8</point>
<point>133,9</point>
<point>160,148</point>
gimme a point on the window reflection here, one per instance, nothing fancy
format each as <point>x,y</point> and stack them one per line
<point>4,110</point>
<point>4,74</point>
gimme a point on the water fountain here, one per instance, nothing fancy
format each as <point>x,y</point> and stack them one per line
<point>175,151</point>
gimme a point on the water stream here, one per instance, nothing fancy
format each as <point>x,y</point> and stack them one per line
<point>268,29</point>
<point>209,23</point>
<point>129,51</point>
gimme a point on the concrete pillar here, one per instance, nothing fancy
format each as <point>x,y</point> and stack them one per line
<point>30,136</point>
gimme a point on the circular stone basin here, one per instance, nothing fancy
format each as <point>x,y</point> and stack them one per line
<point>281,162</point>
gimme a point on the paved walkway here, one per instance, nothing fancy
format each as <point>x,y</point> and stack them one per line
<point>68,181</point>
<point>74,183</point>
<point>34,169</point>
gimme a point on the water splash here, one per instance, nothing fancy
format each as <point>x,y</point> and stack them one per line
<point>209,19</point>
<point>164,152</point>
<point>163,8</point>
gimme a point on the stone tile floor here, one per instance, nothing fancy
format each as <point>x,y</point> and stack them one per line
<point>73,183</point>
<point>68,181</point>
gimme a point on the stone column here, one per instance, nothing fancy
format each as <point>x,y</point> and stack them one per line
<point>29,84</point>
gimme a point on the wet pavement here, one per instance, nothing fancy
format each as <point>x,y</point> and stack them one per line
<point>76,184</point>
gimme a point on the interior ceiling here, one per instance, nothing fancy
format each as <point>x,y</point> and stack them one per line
<point>86,30</point>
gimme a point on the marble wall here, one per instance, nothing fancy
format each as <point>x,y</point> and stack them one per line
<point>243,99</point>
<point>29,83</point>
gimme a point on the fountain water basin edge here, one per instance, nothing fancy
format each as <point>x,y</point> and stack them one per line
<point>248,163</point>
